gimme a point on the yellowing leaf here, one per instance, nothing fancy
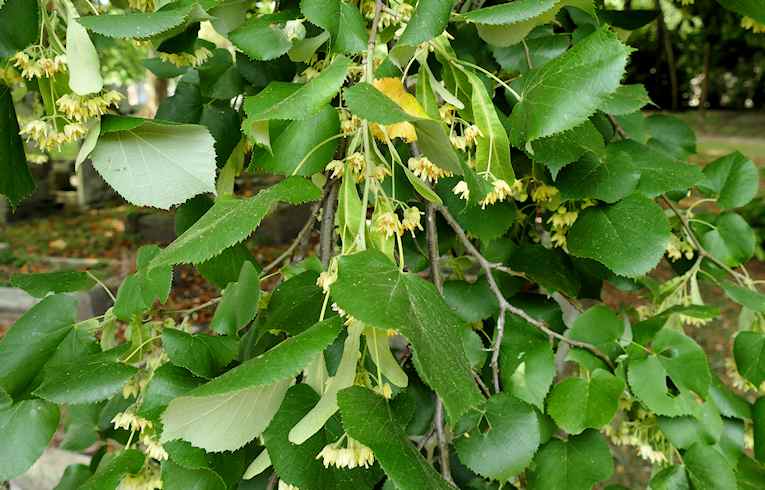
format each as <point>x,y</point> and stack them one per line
<point>394,89</point>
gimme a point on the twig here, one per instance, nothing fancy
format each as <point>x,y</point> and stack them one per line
<point>100,283</point>
<point>618,127</point>
<point>433,255</point>
<point>505,306</point>
<point>369,75</point>
<point>435,272</point>
<point>702,251</point>
<point>307,227</point>
<point>443,448</point>
<point>327,228</point>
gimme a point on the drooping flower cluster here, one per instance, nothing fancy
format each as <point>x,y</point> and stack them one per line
<point>354,455</point>
<point>198,57</point>
<point>643,433</point>
<point>677,248</point>
<point>427,170</point>
<point>36,63</point>
<point>561,221</point>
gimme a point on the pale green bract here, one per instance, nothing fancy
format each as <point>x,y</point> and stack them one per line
<point>156,164</point>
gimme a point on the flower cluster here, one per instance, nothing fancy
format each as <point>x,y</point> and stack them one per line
<point>643,433</point>
<point>544,193</point>
<point>349,123</point>
<point>501,191</point>
<point>35,65</point>
<point>83,107</point>
<point>45,135</point>
<point>152,447</point>
<point>354,455</point>
<point>130,421</point>
<point>142,5</point>
<point>677,248</point>
<point>148,479</point>
<point>390,224</point>
<point>468,138</point>
<point>198,57</point>
<point>753,25</point>
<point>561,221</point>
<point>427,170</point>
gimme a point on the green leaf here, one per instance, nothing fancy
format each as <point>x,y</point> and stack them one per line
<point>167,383</point>
<point>428,21</point>
<point>19,27</point>
<point>576,464</point>
<point>750,475</point>
<point>42,283</point>
<point>577,404</point>
<point>543,45</point>
<point>472,302</point>
<point>176,477</point>
<point>139,291</point>
<point>89,380</point>
<point>659,173</point>
<point>598,326</point>
<point>670,478</point>
<point>261,380</point>
<point>706,427</point>
<point>113,468</point>
<point>365,101</point>
<point>202,354</point>
<point>683,359</point>
<point>297,464</point>
<point>293,305</point>
<point>510,13</point>
<point>368,419</point>
<point>732,241</point>
<point>708,468</point>
<point>749,8</point>
<point>262,37</point>
<point>26,428</point>
<point>628,237</point>
<point>81,427</point>
<point>230,221</point>
<point>551,268</point>
<point>647,380</point>
<point>280,101</point>
<point>626,100</point>
<point>17,182</point>
<point>342,20</point>
<point>411,305</point>
<point>172,161</point>
<point>511,34</point>
<point>754,300</point>
<point>81,57</point>
<point>240,302</point>
<point>733,179</point>
<point>527,365</point>
<point>224,267</point>
<point>561,149</point>
<point>486,224</point>
<point>508,445</point>
<point>140,25</point>
<point>492,152</point>
<point>749,353</point>
<point>433,142</point>
<point>671,135</point>
<point>74,476</point>
<point>608,179</point>
<point>32,340</point>
<point>565,92</point>
<point>304,147</point>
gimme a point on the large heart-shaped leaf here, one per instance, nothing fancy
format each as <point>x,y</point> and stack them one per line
<point>26,428</point>
<point>577,404</point>
<point>508,445</point>
<point>576,464</point>
<point>732,178</point>
<point>566,91</point>
<point>628,237</point>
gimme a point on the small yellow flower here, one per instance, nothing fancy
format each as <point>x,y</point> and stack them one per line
<point>389,224</point>
<point>357,163</point>
<point>354,455</point>
<point>458,142</point>
<point>447,112</point>
<point>558,239</point>
<point>384,390</point>
<point>411,220</point>
<point>471,134</point>
<point>544,193</point>
<point>563,218</point>
<point>142,5</point>
<point>753,25</point>
<point>336,167</point>
<point>130,421</point>
<point>35,130</point>
<point>427,170</point>
<point>462,190</point>
<point>500,192</point>
<point>326,279</point>
<point>153,448</point>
